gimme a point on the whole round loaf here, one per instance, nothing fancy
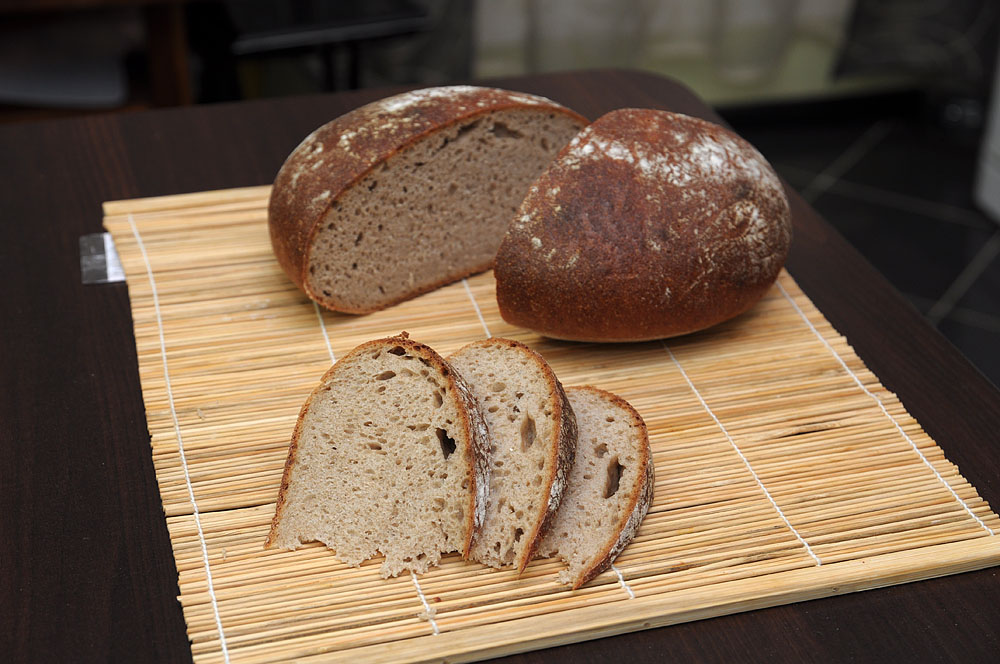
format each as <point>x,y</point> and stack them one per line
<point>648,224</point>
<point>409,192</point>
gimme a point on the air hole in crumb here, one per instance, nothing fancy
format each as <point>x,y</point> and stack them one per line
<point>493,409</point>
<point>614,477</point>
<point>527,433</point>
<point>609,419</point>
<point>517,534</point>
<point>372,186</point>
<point>452,188</point>
<point>467,128</point>
<point>601,450</point>
<point>374,446</point>
<point>357,240</point>
<point>397,350</point>
<point>447,442</point>
<point>386,375</point>
<point>438,399</point>
<point>500,130</point>
<point>518,394</point>
<point>381,389</point>
<point>498,387</point>
<point>545,144</point>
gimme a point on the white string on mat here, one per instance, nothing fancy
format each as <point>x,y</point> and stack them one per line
<point>428,611</point>
<point>180,440</point>
<point>475,305</point>
<point>326,337</point>
<point>621,580</point>
<point>746,462</point>
<point>885,412</point>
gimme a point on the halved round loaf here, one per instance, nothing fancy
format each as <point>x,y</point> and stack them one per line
<point>533,432</point>
<point>390,455</point>
<point>649,224</point>
<point>410,192</point>
<point>609,490</point>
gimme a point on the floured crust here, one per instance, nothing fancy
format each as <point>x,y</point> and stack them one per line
<point>647,225</point>
<point>473,425</point>
<point>342,152</point>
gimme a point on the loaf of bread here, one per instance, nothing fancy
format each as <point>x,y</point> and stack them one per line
<point>533,430</point>
<point>649,224</point>
<point>410,192</point>
<point>610,487</point>
<point>390,455</point>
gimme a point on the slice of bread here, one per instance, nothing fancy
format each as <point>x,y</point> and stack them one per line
<point>609,489</point>
<point>410,192</point>
<point>533,430</point>
<point>390,455</point>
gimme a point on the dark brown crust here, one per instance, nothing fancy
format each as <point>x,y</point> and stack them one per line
<point>564,452</point>
<point>472,422</point>
<point>335,156</point>
<point>647,225</point>
<point>640,499</point>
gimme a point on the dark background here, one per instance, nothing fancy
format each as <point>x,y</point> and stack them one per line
<point>873,109</point>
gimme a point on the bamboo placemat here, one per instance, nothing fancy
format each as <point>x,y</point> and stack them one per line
<point>784,470</point>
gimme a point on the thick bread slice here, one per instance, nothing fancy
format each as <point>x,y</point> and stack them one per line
<point>410,192</point>
<point>390,455</point>
<point>648,224</point>
<point>534,439</point>
<point>609,490</point>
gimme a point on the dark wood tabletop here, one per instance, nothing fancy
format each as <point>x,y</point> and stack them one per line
<point>86,569</point>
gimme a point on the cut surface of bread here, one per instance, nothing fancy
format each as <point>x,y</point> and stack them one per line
<point>533,430</point>
<point>389,455</point>
<point>609,489</point>
<point>410,192</point>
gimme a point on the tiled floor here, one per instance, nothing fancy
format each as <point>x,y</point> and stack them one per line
<point>899,188</point>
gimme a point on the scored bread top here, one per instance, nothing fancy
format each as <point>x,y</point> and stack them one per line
<point>533,431</point>
<point>340,153</point>
<point>364,471</point>
<point>648,224</point>
<point>610,488</point>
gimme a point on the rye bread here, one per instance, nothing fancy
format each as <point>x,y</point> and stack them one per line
<point>648,224</point>
<point>610,487</point>
<point>533,432</point>
<point>390,454</point>
<point>410,192</point>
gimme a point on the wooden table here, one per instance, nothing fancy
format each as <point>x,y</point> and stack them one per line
<point>87,571</point>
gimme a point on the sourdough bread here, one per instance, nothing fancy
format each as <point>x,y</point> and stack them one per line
<point>533,430</point>
<point>410,192</point>
<point>390,455</point>
<point>609,489</point>
<point>649,224</point>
